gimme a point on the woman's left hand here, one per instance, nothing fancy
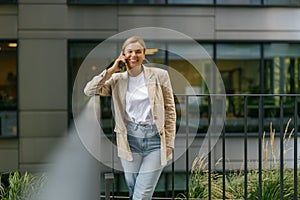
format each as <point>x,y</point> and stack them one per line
<point>169,151</point>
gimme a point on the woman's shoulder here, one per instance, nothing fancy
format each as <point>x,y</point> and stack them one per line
<point>155,70</point>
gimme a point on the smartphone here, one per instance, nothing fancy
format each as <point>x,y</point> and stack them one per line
<point>122,65</point>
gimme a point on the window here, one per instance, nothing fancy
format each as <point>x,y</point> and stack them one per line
<point>239,2</point>
<point>281,2</point>
<point>77,53</point>
<point>282,66</point>
<point>8,89</point>
<point>8,1</point>
<point>239,65</point>
<point>197,2</point>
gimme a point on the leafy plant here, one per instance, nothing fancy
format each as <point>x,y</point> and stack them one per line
<point>25,187</point>
<point>234,180</point>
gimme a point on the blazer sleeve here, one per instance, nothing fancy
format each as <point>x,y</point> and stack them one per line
<point>170,111</point>
<point>100,84</point>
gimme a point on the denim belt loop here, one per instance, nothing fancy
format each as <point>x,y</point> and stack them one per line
<point>135,125</point>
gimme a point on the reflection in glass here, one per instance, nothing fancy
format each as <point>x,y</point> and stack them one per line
<point>78,51</point>
<point>239,65</point>
<point>8,89</point>
<point>281,76</point>
<point>281,68</point>
<point>136,2</point>
<point>190,2</point>
<point>239,2</point>
<point>281,2</point>
<point>93,1</point>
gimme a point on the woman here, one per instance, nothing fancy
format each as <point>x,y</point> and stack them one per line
<point>145,116</point>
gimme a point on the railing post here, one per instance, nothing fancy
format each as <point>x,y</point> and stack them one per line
<point>260,134</point>
<point>109,178</point>
<point>187,145</point>
<point>281,149</point>
<point>245,146</point>
<point>296,148</point>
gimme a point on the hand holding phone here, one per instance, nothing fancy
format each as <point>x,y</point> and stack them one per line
<point>118,65</point>
<point>122,64</point>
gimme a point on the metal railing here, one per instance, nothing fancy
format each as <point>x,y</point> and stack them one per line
<point>254,114</point>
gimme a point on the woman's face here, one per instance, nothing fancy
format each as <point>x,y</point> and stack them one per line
<point>134,53</point>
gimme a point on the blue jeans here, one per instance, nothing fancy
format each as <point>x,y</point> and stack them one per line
<point>142,174</point>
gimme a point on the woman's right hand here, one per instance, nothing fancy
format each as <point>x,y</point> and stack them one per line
<point>116,66</point>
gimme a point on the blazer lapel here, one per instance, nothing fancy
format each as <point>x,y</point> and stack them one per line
<point>123,88</point>
<point>150,83</point>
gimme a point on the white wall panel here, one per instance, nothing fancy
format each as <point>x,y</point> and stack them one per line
<point>36,16</point>
<point>8,21</point>
<point>37,150</point>
<point>165,11</point>
<point>9,160</point>
<point>257,23</point>
<point>8,9</point>
<point>64,17</point>
<point>8,27</point>
<point>42,74</point>
<point>68,34</point>
<point>8,143</point>
<point>43,124</point>
<point>195,27</point>
<point>257,19</point>
<point>258,35</point>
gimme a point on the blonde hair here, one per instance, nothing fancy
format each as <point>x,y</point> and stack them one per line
<point>134,39</point>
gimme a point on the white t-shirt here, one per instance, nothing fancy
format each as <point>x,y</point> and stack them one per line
<point>138,107</point>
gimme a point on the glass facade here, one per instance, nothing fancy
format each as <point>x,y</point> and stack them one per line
<point>281,76</point>
<point>239,65</point>
<point>246,68</point>
<point>281,68</point>
<point>8,89</point>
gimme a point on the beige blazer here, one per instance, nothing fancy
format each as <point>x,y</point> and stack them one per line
<point>161,100</point>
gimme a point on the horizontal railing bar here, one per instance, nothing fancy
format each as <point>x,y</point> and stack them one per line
<point>242,95</point>
<point>126,197</point>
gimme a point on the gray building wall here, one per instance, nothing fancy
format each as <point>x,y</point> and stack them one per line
<point>43,29</point>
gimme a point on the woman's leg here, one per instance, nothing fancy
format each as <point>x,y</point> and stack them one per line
<point>131,169</point>
<point>148,176</point>
<point>142,174</point>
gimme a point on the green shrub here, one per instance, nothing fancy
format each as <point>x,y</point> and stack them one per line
<point>234,180</point>
<point>22,187</point>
